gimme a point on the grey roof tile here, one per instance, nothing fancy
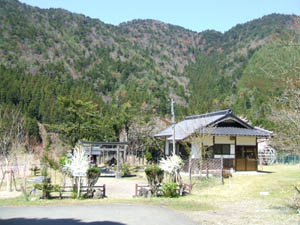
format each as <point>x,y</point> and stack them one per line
<point>235,131</point>
<point>201,123</point>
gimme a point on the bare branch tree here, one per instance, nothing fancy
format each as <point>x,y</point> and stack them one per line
<point>12,136</point>
<point>287,117</point>
<point>141,136</point>
<point>286,108</point>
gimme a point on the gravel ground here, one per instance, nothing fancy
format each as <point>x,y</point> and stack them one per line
<point>123,188</point>
<point>7,194</point>
<point>106,214</point>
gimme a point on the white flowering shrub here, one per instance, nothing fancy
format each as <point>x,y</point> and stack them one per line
<point>79,163</point>
<point>172,165</point>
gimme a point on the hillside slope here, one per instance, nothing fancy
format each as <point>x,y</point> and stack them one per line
<point>131,69</point>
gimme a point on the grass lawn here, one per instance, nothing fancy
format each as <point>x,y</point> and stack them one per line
<point>238,201</point>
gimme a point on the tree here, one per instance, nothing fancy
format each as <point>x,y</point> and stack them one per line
<point>83,121</point>
<point>141,136</point>
<point>286,108</point>
<point>287,118</point>
<point>12,136</point>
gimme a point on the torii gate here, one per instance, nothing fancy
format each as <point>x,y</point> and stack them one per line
<point>95,148</point>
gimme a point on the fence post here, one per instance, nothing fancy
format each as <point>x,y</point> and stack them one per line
<point>222,170</point>
<point>136,190</point>
<point>190,173</point>
<point>207,176</point>
<point>261,163</point>
<point>104,190</point>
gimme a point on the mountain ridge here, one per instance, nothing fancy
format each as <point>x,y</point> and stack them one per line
<point>138,64</point>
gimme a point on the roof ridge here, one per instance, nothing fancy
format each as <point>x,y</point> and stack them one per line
<point>221,112</point>
<point>235,127</point>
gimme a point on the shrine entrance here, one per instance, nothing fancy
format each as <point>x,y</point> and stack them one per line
<point>108,155</point>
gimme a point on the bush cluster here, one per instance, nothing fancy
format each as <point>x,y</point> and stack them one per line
<point>170,189</point>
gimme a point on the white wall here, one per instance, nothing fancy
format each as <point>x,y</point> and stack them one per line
<point>223,140</point>
<point>246,141</point>
<point>207,140</point>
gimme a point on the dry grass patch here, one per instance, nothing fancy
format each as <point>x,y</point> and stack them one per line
<point>239,200</point>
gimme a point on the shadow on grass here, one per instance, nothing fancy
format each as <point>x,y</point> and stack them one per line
<point>47,221</point>
<point>261,171</point>
<point>113,176</point>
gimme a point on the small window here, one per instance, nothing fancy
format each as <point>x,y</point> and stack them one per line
<point>221,149</point>
<point>226,149</point>
<point>218,149</point>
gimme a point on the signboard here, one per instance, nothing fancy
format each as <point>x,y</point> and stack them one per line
<point>79,174</point>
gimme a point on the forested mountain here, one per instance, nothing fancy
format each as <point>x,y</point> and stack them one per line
<point>131,70</point>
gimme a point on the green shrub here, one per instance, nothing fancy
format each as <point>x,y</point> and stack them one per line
<point>170,190</point>
<point>125,168</point>
<point>46,187</point>
<point>35,170</point>
<point>155,176</point>
<point>74,193</point>
<point>93,175</point>
<point>148,157</point>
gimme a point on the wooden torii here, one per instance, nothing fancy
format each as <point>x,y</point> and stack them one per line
<point>95,148</point>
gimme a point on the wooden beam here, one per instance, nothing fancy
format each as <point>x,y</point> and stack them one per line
<point>103,143</point>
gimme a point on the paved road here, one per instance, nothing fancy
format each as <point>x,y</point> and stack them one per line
<point>106,214</point>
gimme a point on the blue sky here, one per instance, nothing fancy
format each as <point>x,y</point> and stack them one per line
<point>196,15</point>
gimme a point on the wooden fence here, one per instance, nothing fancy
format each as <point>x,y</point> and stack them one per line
<point>83,189</point>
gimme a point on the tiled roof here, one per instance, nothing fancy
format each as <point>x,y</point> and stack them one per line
<point>191,124</point>
<point>235,131</point>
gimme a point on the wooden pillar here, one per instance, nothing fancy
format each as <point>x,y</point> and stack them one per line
<point>222,170</point>
<point>256,154</point>
<point>90,158</point>
<point>118,174</point>
<point>107,156</point>
<point>125,154</point>
<point>235,148</point>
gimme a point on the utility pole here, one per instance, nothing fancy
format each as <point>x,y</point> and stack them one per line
<point>173,125</point>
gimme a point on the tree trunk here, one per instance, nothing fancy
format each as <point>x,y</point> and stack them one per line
<point>8,177</point>
<point>190,173</point>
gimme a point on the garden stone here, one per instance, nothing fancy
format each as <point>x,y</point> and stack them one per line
<point>149,194</point>
<point>98,194</point>
<point>33,199</point>
<point>143,192</point>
